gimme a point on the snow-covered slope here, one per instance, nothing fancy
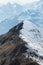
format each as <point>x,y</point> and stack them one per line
<point>33,31</point>
<point>32,34</point>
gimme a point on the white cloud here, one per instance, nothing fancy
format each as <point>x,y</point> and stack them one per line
<point>17,1</point>
<point>25,1</point>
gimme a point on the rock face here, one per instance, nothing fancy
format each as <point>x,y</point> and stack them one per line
<point>13,48</point>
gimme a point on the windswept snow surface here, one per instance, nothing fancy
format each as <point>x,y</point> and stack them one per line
<point>32,34</point>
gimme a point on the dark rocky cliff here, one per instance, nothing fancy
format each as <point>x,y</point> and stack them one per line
<point>13,49</point>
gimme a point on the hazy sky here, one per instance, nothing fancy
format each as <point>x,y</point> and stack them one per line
<point>16,1</point>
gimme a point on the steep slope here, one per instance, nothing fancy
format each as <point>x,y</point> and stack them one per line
<point>33,35</point>
<point>33,31</point>
<point>13,48</point>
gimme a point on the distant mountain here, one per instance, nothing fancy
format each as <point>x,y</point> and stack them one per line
<point>9,10</point>
<point>33,12</point>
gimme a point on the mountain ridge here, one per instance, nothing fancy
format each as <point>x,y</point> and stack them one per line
<point>13,49</point>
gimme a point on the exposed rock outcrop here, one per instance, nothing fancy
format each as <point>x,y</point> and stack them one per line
<point>13,48</point>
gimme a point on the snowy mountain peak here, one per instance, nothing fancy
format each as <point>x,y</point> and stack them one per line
<point>32,31</point>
